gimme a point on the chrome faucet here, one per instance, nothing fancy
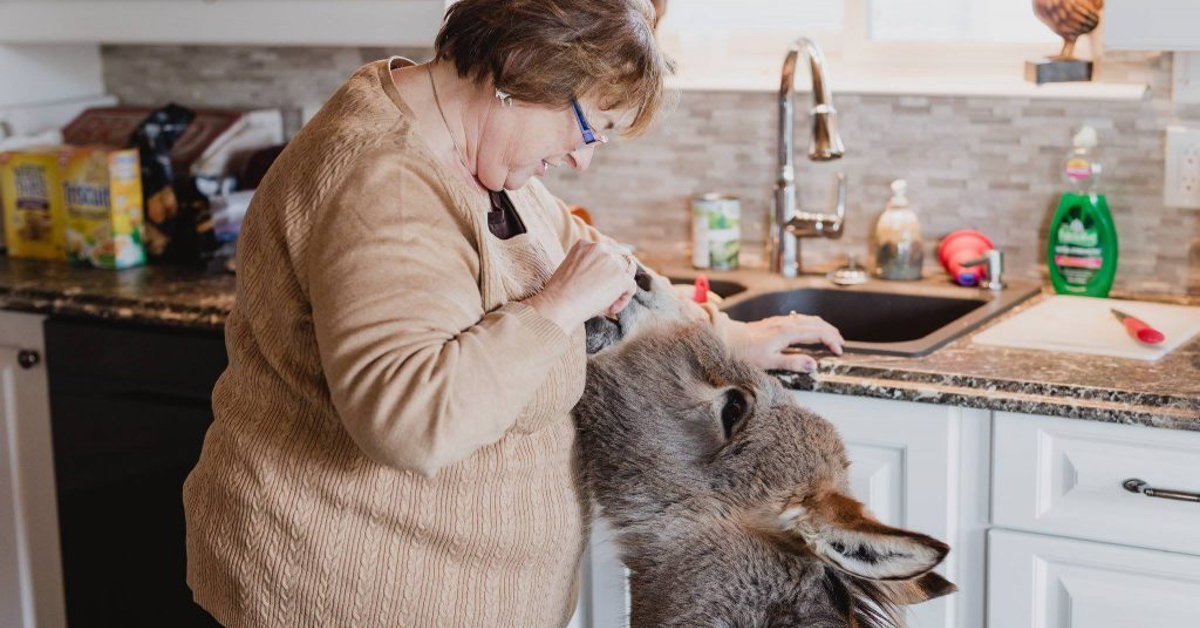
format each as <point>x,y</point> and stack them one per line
<point>788,223</point>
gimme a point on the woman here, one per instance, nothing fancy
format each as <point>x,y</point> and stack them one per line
<point>392,443</point>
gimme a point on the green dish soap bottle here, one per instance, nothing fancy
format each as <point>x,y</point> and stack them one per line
<point>1082,244</point>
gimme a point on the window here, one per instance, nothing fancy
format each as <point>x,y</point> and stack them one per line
<point>990,21</point>
<point>876,43</point>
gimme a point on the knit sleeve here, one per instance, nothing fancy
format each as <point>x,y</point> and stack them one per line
<point>420,375</point>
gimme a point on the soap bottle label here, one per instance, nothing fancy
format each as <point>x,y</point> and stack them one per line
<point>1078,169</point>
<point>1078,254</point>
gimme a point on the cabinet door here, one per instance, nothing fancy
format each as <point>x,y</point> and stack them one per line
<point>923,467</point>
<point>1052,582</point>
<point>30,576</point>
<point>130,406</point>
<point>1151,25</point>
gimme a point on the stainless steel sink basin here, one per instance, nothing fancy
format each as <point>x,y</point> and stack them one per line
<point>886,322</point>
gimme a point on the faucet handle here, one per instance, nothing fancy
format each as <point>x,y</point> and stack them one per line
<point>806,224</point>
<point>840,212</point>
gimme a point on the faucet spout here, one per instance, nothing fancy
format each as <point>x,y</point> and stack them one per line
<point>787,222</point>
<point>826,142</point>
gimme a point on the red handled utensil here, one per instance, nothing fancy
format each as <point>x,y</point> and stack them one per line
<point>700,293</point>
<point>1138,329</point>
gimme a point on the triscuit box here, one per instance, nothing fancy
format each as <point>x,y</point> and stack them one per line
<point>32,197</point>
<point>103,193</point>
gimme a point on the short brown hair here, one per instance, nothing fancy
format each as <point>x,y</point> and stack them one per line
<point>550,51</point>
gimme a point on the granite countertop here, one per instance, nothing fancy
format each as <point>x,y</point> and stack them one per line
<point>155,295</point>
<point>1165,393</point>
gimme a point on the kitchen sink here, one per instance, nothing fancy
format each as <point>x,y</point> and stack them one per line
<point>886,322</point>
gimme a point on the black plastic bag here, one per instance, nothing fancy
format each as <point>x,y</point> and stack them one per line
<point>178,227</point>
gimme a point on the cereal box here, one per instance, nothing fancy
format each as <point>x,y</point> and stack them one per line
<point>103,193</point>
<point>34,211</point>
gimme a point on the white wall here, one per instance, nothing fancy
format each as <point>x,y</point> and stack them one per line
<point>43,86</point>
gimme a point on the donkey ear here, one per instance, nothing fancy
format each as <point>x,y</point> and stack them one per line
<point>917,590</point>
<point>840,531</point>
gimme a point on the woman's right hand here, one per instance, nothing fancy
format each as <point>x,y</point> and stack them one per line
<point>593,280</point>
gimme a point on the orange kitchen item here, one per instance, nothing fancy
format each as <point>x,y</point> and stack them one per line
<point>583,214</point>
<point>33,204</point>
<point>961,247</point>
<point>1138,329</point>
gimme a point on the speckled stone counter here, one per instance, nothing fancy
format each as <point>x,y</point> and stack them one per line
<point>152,295</point>
<point>1165,393</point>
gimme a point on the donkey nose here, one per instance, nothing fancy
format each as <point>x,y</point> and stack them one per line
<point>642,278</point>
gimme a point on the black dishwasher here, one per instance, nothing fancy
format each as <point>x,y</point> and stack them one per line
<point>129,407</point>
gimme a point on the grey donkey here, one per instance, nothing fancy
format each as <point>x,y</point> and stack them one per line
<point>730,502</point>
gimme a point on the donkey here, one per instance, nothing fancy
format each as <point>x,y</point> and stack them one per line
<point>730,502</point>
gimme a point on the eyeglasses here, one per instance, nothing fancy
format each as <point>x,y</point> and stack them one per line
<point>590,136</point>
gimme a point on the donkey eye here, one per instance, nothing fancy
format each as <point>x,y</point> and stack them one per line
<point>734,411</point>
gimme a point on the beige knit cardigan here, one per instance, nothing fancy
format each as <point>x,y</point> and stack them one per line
<point>392,443</point>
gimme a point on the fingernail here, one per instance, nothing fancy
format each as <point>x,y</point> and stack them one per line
<point>810,367</point>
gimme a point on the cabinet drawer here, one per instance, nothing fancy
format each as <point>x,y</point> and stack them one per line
<point>1066,476</point>
<point>1048,582</point>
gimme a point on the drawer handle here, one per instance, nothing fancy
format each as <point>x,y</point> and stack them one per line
<point>1140,486</point>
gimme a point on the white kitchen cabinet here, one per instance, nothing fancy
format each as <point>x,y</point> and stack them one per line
<point>918,466</point>
<point>31,594</point>
<point>604,584</point>
<point>1151,25</point>
<point>954,473</point>
<point>1040,581</point>
<point>1066,477</point>
<point>262,22</point>
<point>923,467</point>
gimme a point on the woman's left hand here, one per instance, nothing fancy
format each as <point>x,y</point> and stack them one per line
<point>762,343</point>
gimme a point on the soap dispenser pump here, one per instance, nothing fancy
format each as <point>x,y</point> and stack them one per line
<point>898,247</point>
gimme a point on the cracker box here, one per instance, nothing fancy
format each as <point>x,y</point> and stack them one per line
<point>102,188</point>
<point>31,194</point>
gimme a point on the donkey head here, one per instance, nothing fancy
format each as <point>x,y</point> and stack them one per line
<point>730,501</point>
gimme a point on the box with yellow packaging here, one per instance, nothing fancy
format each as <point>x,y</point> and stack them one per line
<point>103,192</point>
<point>32,197</point>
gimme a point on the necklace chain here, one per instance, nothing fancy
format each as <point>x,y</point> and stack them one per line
<point>454,142</point>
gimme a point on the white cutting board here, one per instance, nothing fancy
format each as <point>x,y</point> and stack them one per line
<point>1087,325</point>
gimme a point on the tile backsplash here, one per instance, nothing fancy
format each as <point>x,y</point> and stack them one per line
<point>988,163</point>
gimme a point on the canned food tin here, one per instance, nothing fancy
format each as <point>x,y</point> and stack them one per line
<point>716,231</point>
